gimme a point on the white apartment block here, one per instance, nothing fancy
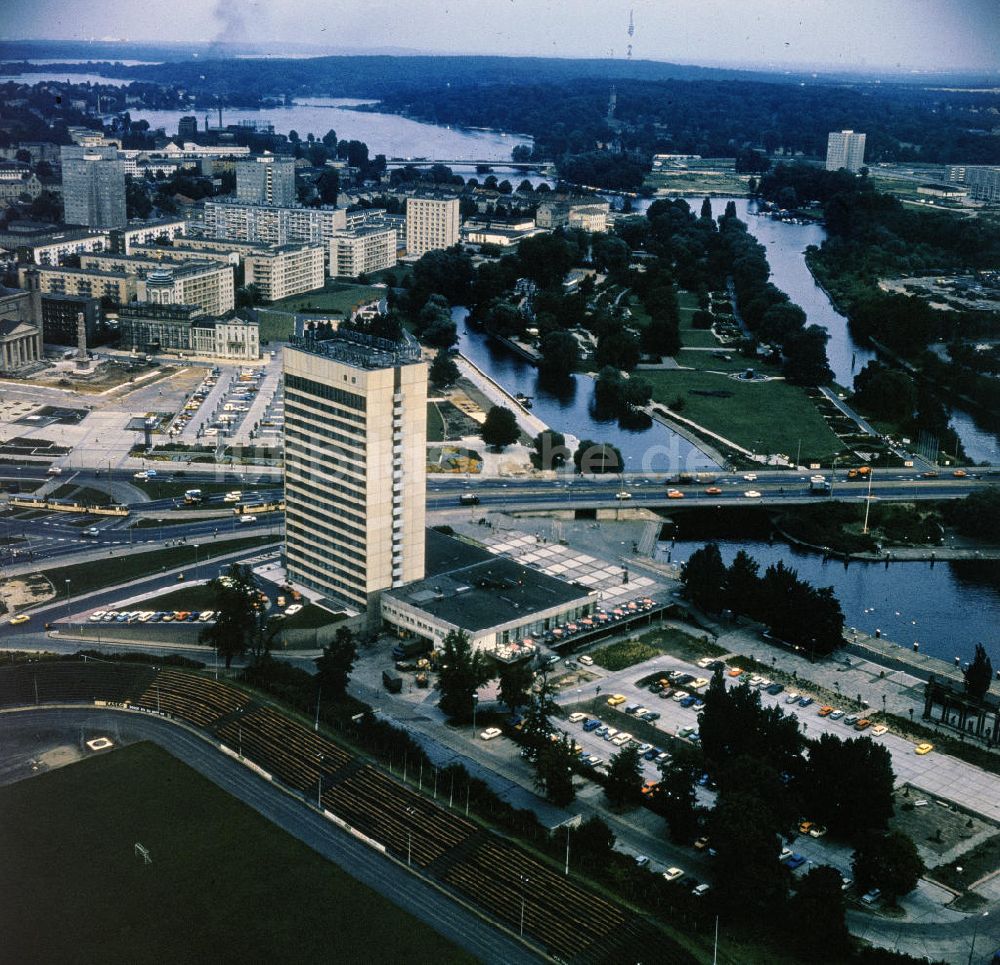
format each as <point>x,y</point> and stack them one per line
<point>286,270</point>
<point>845,149</point>
<point>55,248</point>
<point>275,225</point>
<point>982,180</point>
<point>147,232</point>
<point>431,224</point>
<point>362,251</point>
<point>211,287</point>
<point>355,465</point>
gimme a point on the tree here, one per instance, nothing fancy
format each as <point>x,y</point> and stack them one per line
<point>551,449</point>
<point>328,186</point>
<point>237,613</point>
<point>805,357</point>
<point>978,674</point>
<point>741,589</point>
<point>441,333</point>
<point>751,884</point>
<point>624,782</point>
<point>593,844</point>
<point>706,209</point>
<point>443,371</point>
<point>500,428</point>
<point>330,139</point>
<point>704,576</point>
<point>848,784</point>
<point>675,797</point>
<point>515,684</point>
<point>618,349</point>
<point>560,353</point>
<point>463,672</point>
<point>545,259</point>
<point>816,918</point>
<point>554,771</point>
<point>889,862</point>
<point>597,457</point>
<point>336,663</point>
<point>541,706</point>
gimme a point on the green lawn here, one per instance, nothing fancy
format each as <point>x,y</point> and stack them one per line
<point>85,577</point>
<point>224,884</point>
<point>336,298</point>
<point>81,494</point>
<point>435,423</point>
<point>156,488</point>
<point>769,417</point>
<point>692,337</point>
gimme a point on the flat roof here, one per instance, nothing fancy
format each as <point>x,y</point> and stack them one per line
<point>487,592</point>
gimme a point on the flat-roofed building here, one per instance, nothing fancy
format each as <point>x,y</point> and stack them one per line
<point>267,179</point>
<point>272,224</point>
<point>845,149</point>
<point>226,338</point>
<point>285,270</point>
<point>52,248</point>
<point>211,286</point>
<point>592,217</point>
<point>60,280</point>
<point>496,601</point>
<point>355,464</point>
<point>363,250</point>
<point>141,233</point>
<point>59,319</point>
<point>432,224</point>
<point>93,181</point>
<point>185,329</point>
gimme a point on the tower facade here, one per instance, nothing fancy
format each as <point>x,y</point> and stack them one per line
<point>355,464</point>
<point>845,149</point>
<point>93,186</point>
<point>267,179</point>
<point>431,224</point>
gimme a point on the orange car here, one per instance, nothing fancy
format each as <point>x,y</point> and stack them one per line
<point>735,671</point>
<point>674,494</point>
<point>863,724</point>
<point>713,491</point>
<point>825,711</point>
<point>960,474</point>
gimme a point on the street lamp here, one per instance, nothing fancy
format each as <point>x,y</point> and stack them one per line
<point>409,840</point>
<point>524,881</point>
<point>67,601</point>
<point>195,545</point>
<point>975,933</point>
<point>475,704</point>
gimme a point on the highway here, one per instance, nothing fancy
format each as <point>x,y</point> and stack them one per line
<point>390,879</point>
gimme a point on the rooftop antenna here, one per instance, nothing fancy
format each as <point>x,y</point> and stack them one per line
<point>631,24</point>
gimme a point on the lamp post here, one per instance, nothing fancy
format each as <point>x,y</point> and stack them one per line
<point>975,933</point>
<point>195,545</point>
<point>475,704</point>
<point>524,881</point>
<point>67,601</point>
<point>409,840</point>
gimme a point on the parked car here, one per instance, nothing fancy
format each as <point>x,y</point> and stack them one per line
<point>651,715</point>
<point>576,718</point>
<point>792,699</point>
<point>851,720</point>
<point>805,701</point>
<point>775,689</point>
<point>825,711</point>
<point>921,749</point>
<point>699,891</point>
<point>616,699</point>
<point>863,724</point>
<point>592,724</point>
<point>681,695</point>
<point>672,874</point>
<point>795,861</point>
<point>836,714</point>
<point>870,897</point>
<point>879,729</point>
<point>490,733</point>
<point>586,660</point>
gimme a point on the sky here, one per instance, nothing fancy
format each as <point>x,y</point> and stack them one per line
<point>838,34</point>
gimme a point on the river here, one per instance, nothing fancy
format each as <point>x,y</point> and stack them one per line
<point>947,608</point>
<point>388,134</point>
<point>569,409</point>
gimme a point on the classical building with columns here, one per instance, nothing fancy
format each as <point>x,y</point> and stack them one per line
<point>20,331</point>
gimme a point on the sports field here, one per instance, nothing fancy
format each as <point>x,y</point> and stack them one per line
<point>225,885</point>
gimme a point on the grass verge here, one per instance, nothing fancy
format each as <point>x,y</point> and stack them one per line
<point>85,577</point>
<point>230,871</point>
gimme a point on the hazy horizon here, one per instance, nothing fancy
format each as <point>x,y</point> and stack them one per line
<point>776,35</point>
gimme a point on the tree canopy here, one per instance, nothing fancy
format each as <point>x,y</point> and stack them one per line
<point>500,428</point>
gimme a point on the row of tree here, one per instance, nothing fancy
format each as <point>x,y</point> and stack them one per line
<point>798,613</point>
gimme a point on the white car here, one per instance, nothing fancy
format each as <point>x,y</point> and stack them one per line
<point>750,476</point>
<point>294,608</point>
<point>705,661</point>
<point>232,497</point>
<point>672,874</point>
<point>586,660</point>
<point>141,476</point>
<point>490,733</point>
<point>206,615</point>
<point>623,495</point>
<point>836,714</point>
<point>97,616</point>
<point>751,494</point>
<point>621,740</point>
<point>680,695</point>
<point>248,519</point>
<point>576,718</point>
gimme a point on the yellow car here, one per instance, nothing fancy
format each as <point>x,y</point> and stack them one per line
<point>19,619</point>
<point>616,700</point>
<point>924,748</point>
<point>674,494</point>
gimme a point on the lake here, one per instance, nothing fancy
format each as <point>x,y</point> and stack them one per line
<point>388,134</point>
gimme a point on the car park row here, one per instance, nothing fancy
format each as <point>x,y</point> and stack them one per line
<point>151,616</point>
